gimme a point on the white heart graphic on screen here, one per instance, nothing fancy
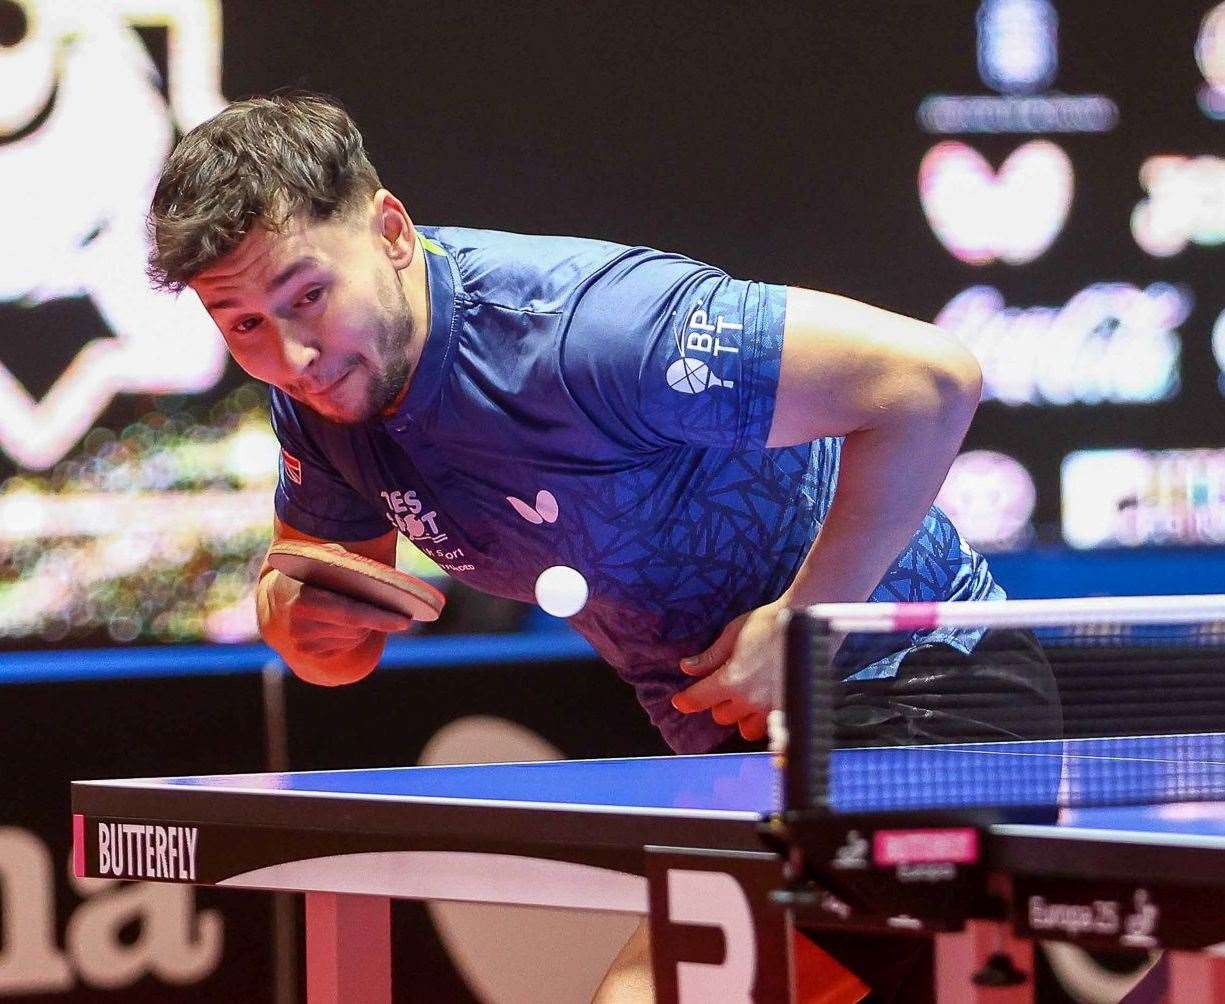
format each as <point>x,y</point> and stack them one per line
<point>981,215</point>
<point>545,510</point>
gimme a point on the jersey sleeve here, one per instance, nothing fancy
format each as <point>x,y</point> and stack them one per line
<point>662,351</point>
<point>311,495</point>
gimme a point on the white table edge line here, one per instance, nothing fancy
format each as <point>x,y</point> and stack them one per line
<point>634,810</point>
<point>1088,833</point>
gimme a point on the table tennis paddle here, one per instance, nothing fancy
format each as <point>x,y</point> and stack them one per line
<point>330,566</point>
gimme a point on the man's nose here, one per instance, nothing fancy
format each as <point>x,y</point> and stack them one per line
<point>298,351</point>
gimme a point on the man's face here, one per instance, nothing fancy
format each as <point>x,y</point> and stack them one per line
<point>318,311</point>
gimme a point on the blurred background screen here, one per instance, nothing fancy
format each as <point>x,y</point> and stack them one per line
<point>1044,180</point>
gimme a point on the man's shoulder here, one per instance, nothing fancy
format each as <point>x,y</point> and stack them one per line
<point>524,271</point>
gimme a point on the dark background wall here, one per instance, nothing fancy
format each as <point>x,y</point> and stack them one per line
<point>776,140</point>
<point>779,141</point>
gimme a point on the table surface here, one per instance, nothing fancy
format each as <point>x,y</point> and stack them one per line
<point>594,834</point>
<point>1150,787</point>
<point>1164,821</point>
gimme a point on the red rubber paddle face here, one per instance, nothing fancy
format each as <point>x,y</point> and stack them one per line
<point>330,566</point>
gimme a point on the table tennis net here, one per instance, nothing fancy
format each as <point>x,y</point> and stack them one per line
<point>906,705</point>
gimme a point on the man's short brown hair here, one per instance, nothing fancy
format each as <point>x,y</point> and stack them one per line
<point>259,162</point>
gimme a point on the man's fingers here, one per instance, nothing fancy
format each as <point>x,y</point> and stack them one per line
<point>327,607</point>
<point>717,654</point>
<point>309,636</point>
<point>330,644</point>
<point>726,713</point>
<point>753,727</point>
<point>726,706</point>
<point>706,693</point>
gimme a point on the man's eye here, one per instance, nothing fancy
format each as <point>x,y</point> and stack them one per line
<point>312,296</point>
<point>246,325</point>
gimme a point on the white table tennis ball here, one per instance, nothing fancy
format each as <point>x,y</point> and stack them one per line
<point>561,591</point>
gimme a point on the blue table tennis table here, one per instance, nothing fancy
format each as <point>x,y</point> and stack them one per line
<point>680,838</point>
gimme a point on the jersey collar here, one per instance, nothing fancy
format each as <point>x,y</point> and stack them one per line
<point>441,282</point>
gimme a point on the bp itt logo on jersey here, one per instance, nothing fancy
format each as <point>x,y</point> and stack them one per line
<point>702,341</point>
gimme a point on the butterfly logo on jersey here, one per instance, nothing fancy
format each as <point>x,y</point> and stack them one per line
<point>544,511</point>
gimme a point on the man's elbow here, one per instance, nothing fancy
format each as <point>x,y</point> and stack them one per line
<point>961,377</point>
<point>948,384</point>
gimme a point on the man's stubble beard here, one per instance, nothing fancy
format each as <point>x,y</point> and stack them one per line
<point>385,386</point>
<point>391,352</point>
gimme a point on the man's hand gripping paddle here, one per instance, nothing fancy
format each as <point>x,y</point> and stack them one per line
<point>331,567</point>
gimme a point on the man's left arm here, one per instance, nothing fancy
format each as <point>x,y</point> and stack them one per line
<point>902,393</point>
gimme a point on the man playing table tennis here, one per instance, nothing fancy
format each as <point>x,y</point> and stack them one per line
<point>514,403</point>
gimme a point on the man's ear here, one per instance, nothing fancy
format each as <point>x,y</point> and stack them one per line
<point>396,230</point>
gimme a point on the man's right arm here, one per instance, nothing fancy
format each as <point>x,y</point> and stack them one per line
<point>324,637</point>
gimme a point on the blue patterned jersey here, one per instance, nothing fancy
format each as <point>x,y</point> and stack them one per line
<point>606,408</point>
